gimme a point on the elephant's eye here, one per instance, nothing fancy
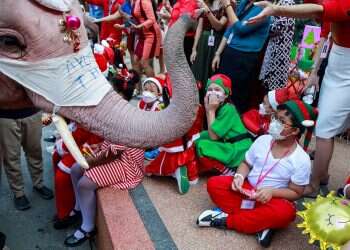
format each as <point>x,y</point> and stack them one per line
<point>11,46</point>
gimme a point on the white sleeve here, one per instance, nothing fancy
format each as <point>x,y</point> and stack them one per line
<point>251,155</point>
<point>302,174</point>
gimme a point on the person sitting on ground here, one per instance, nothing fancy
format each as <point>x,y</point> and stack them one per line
<point>259,198</point>
<point>223,145</point>
<point>257,121</point>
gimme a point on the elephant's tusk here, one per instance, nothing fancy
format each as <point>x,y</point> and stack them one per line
<point>69,141</point>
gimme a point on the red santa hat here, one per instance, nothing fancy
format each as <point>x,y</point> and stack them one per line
<point>109,54</point>
<point>155,80</point>
<point>278,96</point>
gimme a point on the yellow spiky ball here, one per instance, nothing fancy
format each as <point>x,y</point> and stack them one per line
<point>327,220</point>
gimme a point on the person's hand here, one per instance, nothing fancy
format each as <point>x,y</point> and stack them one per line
<point>213,103</point>
<point>225,2</point>
<point>237,183</point>
<point>138,26</point>
<point>215,63</point>
<point>118,26</point>
<point>264,195</point>
<point>202,5</point>
<point>193,56</point>
<point>269,9</point>
<point>46,119</point>
<point>313,80</point>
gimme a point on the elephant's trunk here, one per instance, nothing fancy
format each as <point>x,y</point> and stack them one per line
<point>118,121</point>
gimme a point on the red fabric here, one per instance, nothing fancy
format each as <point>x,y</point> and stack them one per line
<point>338,12</point>
<point>181,7</point>
<point>325,29</point>
<point>255,123</point>
<point>348,180</point>
<point>64,193</point>
<point>277,213</point>
<point>207,164</point>
<point>107,29</point>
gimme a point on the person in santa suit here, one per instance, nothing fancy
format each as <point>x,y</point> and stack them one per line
<point>102,57</point>
<point>107,29</point>
<point>152,91</point>
<point>223,145</point>
<point>257,121</point>
<point>178,158</point>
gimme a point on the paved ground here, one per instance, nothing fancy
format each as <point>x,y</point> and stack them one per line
<point>168,216</point>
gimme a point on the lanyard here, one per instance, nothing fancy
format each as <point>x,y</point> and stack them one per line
<point>263,176</point>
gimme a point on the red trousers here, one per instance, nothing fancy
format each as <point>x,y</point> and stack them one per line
<point>277,213</point>
<point>208,164</point>
<point>64,193</point>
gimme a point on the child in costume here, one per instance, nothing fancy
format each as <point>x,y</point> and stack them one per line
<point>259,197</point>
<point>178,158</point>
<point>223,145</point>
<point>257,121</point>
<point>114,166</point>
<point>152,100</point>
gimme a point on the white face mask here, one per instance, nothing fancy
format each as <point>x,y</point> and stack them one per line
<point>70,80</point>
<point>275,129</point>
<point>60,5</point>
<point>148,97</point>
<point>262,110</point>
<point>221,96</point>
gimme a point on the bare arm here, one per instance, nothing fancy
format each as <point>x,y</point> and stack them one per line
<point>243,169</point>
<point>292,193</point>
<point>217,24</point>
<point>116,15</point>
<point>198,34</point>
<point>297,11</point>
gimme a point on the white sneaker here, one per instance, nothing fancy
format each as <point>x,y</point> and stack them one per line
<point>212,218</point>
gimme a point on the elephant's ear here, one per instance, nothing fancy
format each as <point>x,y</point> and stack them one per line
<point>59,5</point>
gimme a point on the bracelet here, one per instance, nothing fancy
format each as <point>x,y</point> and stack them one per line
<point>239,175</point>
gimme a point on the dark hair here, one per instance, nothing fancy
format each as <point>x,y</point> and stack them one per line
<point>126,87</point>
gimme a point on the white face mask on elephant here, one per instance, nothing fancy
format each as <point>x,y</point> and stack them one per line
<point>59,5</point>
<point>71,80</point>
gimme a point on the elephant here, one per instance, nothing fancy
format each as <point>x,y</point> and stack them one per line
<point>30,30</point>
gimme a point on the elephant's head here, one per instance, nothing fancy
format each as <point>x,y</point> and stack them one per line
<point>30,32</point>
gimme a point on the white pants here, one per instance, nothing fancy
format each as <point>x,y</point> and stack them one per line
<point>334,102</point>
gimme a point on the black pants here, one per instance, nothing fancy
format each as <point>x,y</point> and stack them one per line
<point>242,68</point>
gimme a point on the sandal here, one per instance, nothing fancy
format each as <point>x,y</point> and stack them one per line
<point>72,241</point>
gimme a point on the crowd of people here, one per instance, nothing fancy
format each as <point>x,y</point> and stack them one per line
<point>252,128</point>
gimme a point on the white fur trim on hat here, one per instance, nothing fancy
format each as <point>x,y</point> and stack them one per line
<point>105,43</point>
<point>155,81</point>
<point>271,95</point>
<point>308,123</point>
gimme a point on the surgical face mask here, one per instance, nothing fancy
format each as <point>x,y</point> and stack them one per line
<point>275,129</point>
<point>148,97</point>
<point>59,5</point>
<point>221,96</point>
<point>70,80</point>
<point>262,110</point>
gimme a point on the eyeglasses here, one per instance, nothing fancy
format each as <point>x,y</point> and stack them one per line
<point>282,121</point>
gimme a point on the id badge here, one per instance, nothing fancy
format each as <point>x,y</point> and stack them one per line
<point>248,204</point>
<point>211,39</point>
<point>325,49</point>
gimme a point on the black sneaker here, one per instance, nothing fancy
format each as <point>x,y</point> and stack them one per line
<point>2,240</point>
<point>72,241</point>
<point>265,237</point>
<point>44,192</point>
<point>68,221</point>
<point>21,203</point>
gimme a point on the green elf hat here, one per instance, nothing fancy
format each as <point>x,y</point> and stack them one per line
<point>304,117</point>
<point>222,80</point>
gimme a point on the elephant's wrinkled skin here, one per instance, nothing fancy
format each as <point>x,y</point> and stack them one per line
<point>34,31</point>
